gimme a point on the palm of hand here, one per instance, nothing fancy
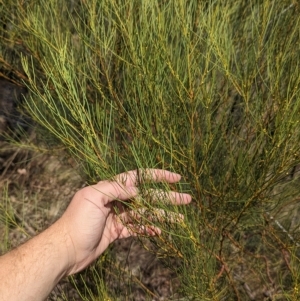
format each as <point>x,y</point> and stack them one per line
<point>92,222</point>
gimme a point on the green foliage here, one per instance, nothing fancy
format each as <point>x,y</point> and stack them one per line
<point>209,89</point>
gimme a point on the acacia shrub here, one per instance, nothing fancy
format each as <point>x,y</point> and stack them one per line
<point>206,88</point>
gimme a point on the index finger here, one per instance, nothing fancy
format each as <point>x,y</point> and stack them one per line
<point>124,185</point>
<point>135,177</point>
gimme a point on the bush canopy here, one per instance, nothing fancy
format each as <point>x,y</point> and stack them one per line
<point>209,89</point>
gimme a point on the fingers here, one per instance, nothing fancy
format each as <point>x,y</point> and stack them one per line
<point>111,191</point>
<point>135,177</point>
<point>168,197</point>
<point>140,222</point>
<point>143,230</point>
<point>139,230</point>
<point>153,215</point>
<point>124,186</point>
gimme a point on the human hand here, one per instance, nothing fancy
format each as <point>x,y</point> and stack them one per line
<point>97,216</point>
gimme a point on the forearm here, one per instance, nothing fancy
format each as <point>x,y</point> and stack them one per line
<point>32,270</point>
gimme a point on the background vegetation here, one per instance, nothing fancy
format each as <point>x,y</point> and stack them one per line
<point>209,89</point>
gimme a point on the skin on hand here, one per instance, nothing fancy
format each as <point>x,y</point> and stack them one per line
<point>91,223</point>
<point>84,231</point>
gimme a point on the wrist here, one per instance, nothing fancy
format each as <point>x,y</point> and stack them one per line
<point>63,244</point>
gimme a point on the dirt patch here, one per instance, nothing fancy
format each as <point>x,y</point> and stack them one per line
<point>11,118</point>
<point>38,188</point>
<point>141,267</point>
